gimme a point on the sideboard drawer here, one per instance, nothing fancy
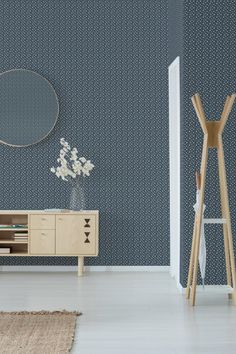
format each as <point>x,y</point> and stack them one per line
<point>42,222</point>
<point>42,242</point>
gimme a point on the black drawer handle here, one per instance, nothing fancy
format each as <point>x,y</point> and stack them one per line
<point>87,237</point>
<point>87,222</point>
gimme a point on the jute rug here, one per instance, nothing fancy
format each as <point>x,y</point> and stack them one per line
<point>37,332</point>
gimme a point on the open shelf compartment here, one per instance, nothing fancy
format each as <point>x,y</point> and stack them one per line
<point>14,248</point>
<point>12,236</point>
<point>11,222</point>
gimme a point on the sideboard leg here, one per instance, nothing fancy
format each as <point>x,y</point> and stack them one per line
<point>80,266</point>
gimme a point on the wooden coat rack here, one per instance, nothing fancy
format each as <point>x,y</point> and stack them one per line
<point>212,139</point>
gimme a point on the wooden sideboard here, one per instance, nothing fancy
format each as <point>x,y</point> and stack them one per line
<point>47,233</point>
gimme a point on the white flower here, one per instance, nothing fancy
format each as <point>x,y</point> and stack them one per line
<point>74,155</point>
<point>82,159</point>
<point>85,172</point>
<point>71,173</point>
<point>62,152</point>
<point>88,165</point>
<point>71,166</point>
<point>77,167</point>
<point>65,144</point>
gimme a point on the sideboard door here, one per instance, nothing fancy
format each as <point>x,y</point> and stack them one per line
<point>76,235</point>
<point>68,232</point>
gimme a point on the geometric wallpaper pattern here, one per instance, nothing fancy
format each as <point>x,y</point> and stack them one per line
<point>107,61</point>
<point>209,68</point>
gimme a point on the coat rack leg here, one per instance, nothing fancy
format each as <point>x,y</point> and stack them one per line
<point>195,259</point>
<point>227,259</point>
<point>199,219</point>
<point>227,214</point>
<point>225,229</point>
<point>190,270</point>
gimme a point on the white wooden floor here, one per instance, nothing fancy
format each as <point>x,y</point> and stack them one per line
<point>127,313</point>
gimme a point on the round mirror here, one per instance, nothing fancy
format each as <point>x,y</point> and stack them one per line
<point>28,107</point>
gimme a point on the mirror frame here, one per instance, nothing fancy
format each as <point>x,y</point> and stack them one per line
<point>56,116</point>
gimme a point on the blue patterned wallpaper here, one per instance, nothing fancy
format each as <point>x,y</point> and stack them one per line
<point>107,61</point>
<point>175,29</point>
<point>210,69</point>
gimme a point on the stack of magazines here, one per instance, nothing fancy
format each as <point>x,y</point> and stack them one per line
<point>21,236</point>
<point>5,250</point>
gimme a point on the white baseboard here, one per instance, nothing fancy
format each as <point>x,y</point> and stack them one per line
<point>87,268</point>
<point>127,268</point>
<point>180,288</point>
